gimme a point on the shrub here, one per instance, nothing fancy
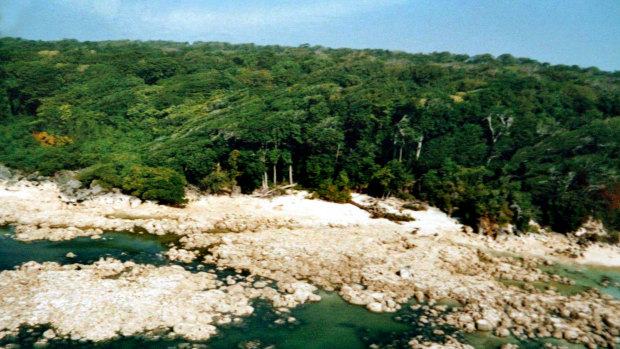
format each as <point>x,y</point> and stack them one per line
<point>337,191</point>
<point>107,175</point>
<point>155,183</point>
<point>391,179</point>
<point>217,182</point>
<point>110,172</point>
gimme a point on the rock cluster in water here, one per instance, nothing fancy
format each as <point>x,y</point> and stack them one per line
<point>450,343</point>
<point>107,298</point>
<point>590,317</point>
<point>390,270</point>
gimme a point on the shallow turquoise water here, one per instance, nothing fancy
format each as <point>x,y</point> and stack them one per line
<point>488,341</point>
<point>589,276</point>
<point>585,277</point>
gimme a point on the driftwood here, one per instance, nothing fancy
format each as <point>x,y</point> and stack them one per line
<point>377,212</point>
<point>272,191</point>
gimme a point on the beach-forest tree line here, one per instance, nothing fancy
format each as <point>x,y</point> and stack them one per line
<point>496,139</point>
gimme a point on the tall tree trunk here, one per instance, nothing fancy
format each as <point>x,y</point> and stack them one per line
<point>400,154</point>
<point>419,150</point>
<point>505,122</point>
<point>265,184</point>
<point>337,152</point>
<point>290,174</point>
<point>275,178</point>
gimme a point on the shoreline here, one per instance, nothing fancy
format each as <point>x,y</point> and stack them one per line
<point>38,213</point>
<point>374,263</point>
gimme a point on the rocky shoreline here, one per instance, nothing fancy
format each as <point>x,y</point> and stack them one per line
<point>100,301</point>
<point>300,244</point>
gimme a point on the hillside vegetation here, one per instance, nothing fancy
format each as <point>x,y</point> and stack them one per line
<point>488,139</point>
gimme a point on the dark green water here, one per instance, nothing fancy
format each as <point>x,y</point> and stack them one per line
<point>330,323</point>
<point>123,246</point>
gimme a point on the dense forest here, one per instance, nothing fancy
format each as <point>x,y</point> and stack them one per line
<point>487,139</point>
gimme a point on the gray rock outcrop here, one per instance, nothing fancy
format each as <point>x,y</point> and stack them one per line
<point>5,173</point>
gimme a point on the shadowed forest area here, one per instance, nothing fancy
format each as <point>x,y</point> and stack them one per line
<point>487,139</point>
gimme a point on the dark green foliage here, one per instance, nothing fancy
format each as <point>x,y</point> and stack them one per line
<point>460,191</point>
<point>149,183</point>
<point>108,175</point>
<point>155,183</point>
<point>251,170</point>
<point>500,139</point>
<point>217,182</point>
<point>335,190</point>
<point>391,179</point>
